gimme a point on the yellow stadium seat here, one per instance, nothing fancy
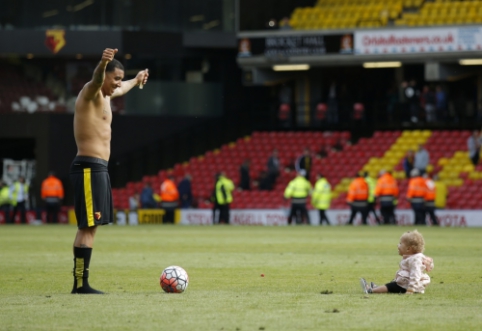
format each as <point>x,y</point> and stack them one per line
<point>346,181</point>
<point>443,174</point>
<point>426,133</point>
<point>457,182</point>
<point>461,155</point>
<point>473,175</point>
<point>373,160</point>
<point>373,174</point>
<point>468,168</point>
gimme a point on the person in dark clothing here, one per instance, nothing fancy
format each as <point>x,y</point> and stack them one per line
<point>408,163</point>
<point>273,169</point>
<point>304,162</point>
<point>185,192</point>
<point>264,182</point>
<point>245,182</point>
<point>214,200</point>
<point>147,197</point>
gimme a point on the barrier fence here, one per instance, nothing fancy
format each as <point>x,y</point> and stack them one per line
<point>264,217</point>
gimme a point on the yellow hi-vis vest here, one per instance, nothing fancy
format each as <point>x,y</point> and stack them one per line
<point>299,187</point>
<point>321,194</point>
<point>16,189</point>
<point>372,184</point>
<point>224,189</point>
<point>5,196</point>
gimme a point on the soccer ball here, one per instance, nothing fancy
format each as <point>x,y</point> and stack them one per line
<point>174,279</point>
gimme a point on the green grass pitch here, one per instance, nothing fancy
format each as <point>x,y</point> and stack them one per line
<point>311,279</point>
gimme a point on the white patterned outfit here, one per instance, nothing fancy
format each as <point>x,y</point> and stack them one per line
<point>412,274</point>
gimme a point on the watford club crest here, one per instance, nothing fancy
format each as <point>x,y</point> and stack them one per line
<point>97,215</point>
<point>55,40</point>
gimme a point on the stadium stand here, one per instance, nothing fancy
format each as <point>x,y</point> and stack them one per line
<point>333,14</point>
<point>20,94</point>
<point>23,91</point>
<point>384,150</point>
<point>445,12</point>
<point>347,14</point>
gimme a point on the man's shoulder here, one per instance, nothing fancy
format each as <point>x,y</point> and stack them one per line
<point>84,97</point>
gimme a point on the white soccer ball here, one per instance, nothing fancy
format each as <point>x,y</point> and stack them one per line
<point>174,279</point>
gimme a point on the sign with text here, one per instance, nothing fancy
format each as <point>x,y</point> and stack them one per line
<point>278,217</point>
<point>275,217</point>
<point>428,40</point>
<point>294,45</point>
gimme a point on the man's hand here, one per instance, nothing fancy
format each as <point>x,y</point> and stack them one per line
<point>142,78</point>
<point>108,55</point>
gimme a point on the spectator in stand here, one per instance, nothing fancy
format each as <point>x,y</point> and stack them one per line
<point>392,100</point>
<point>245,180</point>
<point>441,109</point>
<point>185,191</point>
<point>332,115</point>
<point>473,146</point>
<point>285,99</point>
<point>430,199</point>
<point>421,160</point>
<point>5,201</point>
<point>322,197</point>
<point>357,198</point>
<point>404,105</point>
<point>284,24</point>
<point>412,94</point>
<point>273,168</point>
<point>298,190</point>
<point>304,162</point>
<point>134,202</point>
<point>52,192</point>
<point>338,146</point>
<point>441,193</point>
<point>417,190</point>
<point>19,197</point>
<point>408,163</point>
<point>427,101</point>
<point>264,182</point>
<point>323,153</point>
<point>169,199</point>
<point>147,197</point>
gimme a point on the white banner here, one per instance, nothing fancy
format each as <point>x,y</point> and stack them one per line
<point>447,218</point>
<point>418,40</point>
<point>12,170</point>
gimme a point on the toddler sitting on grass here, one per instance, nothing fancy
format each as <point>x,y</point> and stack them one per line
<point>412,276</point>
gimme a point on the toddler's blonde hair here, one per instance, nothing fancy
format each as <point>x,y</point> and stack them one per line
<point>415,240</point>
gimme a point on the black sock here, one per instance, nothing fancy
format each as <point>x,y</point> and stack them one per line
<point>81,271</point>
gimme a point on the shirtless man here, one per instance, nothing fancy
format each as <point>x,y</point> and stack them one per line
<point>88,172</point>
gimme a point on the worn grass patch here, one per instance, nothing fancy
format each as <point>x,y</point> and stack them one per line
<point>310,279</point>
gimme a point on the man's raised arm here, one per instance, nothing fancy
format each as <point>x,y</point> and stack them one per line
<point>127,85</point>
<point>92,88</point>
